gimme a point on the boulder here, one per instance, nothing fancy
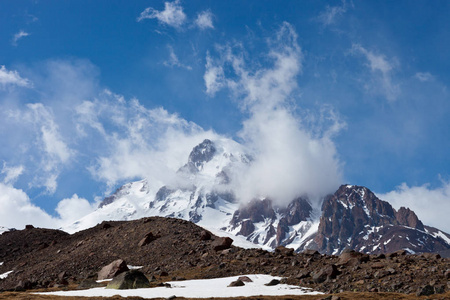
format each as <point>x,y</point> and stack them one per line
<point>133,279</point>
<point>273,282</point>
<point>351,258</point>
<point>147,239</point>
<point>327,272</point>
<point>113,269</point>
<point>245,279</point>
<point>88,283</point>
<point>205,235</point>
<point>236,283</point>
<point>222,243</point>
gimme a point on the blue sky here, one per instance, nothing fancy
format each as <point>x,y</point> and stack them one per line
<point>94,92</point>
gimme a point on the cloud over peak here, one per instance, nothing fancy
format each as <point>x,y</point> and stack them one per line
<point>288,161</point>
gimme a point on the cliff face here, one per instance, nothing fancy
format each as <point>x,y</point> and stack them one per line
<point>355,218</point>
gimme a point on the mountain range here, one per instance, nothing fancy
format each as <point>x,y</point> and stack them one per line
<point>203,192</point>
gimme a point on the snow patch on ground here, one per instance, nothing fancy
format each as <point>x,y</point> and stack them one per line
<point>4,275</point>
<point>134,267</point>
<point>203,288</point>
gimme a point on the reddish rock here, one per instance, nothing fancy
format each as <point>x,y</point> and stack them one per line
<point>149,237</point>
<point>247,228</point>
<point>205,235</point>
<point>222,243</point>
<point>245,279</point>
<point>113,269</point>
<point>407,217</point>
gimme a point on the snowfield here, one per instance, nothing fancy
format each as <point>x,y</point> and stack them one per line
<point>202,288</point>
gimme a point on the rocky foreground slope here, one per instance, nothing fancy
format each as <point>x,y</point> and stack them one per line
<point>174,249</point>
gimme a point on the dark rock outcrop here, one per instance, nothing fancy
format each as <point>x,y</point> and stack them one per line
<point>133,279</point>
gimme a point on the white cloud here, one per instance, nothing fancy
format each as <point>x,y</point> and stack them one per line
<point>382,69</point>
<point>49,150</point>
<point>51,139</point>
<point>17,210</point>
<point>288,160</point>
<point>424,76</point>
<point>139,143</point>
<point>430,204</point>
<point>204,20</point>
<point>11,173</point>
<point>213,77</point>
<point>74,208</point>
<point>173,60</point>
<point>331,13</point>
<point>172,14</point>
<point>21,34</point>
<point>12,78</point>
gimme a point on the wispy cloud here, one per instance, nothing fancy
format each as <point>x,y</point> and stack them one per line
<point>381,70</point>
<point>214,76</point>
<point>11,173</point>
<point>56,151</point>
<point>12,78</point>
<point>424,76</point>
<point>172,15</point>
<point>21,34</point>
<point>204,20</point>
<point>173,60</point>
<point>332,13</point>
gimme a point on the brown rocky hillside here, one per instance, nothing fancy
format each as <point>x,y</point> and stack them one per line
<point>173,249</point>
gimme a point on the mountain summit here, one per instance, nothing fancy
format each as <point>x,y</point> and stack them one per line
<point>204,192</point>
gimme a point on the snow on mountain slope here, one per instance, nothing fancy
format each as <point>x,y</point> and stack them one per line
<point>203,191</point>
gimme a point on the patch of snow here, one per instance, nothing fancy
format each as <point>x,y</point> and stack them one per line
<point>1,263</point>
<point>440,234</point>
<point>104,280</point>
<point>4,275</point>
<point>134,267</point>
<point>203,288</point>
<point>308,228</point>
<point>409,251</point>
<point>387,242</point>
<point>375,247</point>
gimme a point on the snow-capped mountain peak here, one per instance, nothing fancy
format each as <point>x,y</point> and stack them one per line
<point>203,191</point>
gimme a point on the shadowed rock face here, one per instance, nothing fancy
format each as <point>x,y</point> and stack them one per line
<point>201,154</point>
<point>129,280</point>
<point>355,218</point>
<point>407,217</point>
